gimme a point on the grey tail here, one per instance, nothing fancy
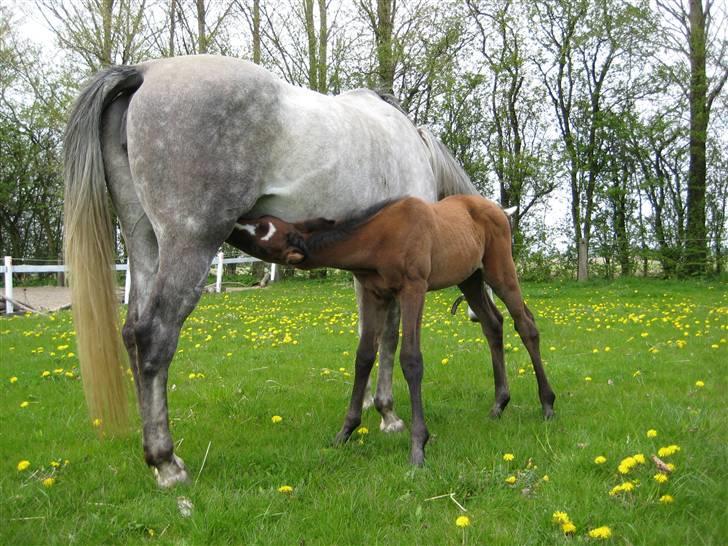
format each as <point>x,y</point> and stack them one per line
<point>450,176</point>
<point>89,248</point>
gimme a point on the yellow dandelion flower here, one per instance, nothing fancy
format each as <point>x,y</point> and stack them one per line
<point>666,499</point>
<point>24,404</point>
<point>510,480</point>
<point>668,450</point>
<point>285,489</point>
<point>13,379</point>
<point>55,464</point>
<point>462,521</point>
<point>627,464</point>
<point>545,477</point>
<point>568,528</point>
<point>97,422</point>
<point>587,378</point>
<point>45,373</point>
<point>508,457</point>
<point>48,482</point>
<point>276,419</point>
<point>362,431</point>
<point>640,458</point>
<point>23,465</point>
<point>660,477</point>
<point>560,517</point>
<point>699,384</point>
<point>670,467</point>
<point>602,532</point>
<point>444,361</point>
<point>652,433</point>
<point>600,459</point>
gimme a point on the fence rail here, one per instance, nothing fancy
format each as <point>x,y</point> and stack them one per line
<point>8,270</point>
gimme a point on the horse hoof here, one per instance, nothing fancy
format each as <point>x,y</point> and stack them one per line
<point>171,473</point>
<point>496,412</point>
<point>341,438</point>
<point>548,413</point>
<point>392,425</point>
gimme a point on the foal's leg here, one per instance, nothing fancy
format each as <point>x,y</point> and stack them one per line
<point>371,319</point>
<point>383,399</point>
<point>491,322</point>
<point>501,275</point>
<point>411,301</point>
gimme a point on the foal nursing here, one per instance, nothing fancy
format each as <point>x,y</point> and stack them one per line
<point>401,249</point>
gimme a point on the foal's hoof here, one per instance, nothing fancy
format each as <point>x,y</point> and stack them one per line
<point>341,438</point>
<point>417,457</point>
<point>391,425</point>
<point>496,411</point>
<point>171,473</point>
<point>548,413</point>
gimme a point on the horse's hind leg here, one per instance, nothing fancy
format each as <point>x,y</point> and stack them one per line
<point>501,276</point>
<point>383,400</point>
<point>491,322</point>
<point>371,318</point>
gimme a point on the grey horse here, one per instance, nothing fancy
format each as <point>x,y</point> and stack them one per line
<point>184,147</point>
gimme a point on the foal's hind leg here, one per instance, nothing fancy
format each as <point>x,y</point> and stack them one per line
<point>491,322</point>
<point>502,277</point>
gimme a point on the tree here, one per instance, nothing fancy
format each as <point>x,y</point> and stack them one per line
<point>689,34</point>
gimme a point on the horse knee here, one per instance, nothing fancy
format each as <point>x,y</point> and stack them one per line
<point>411,363</point>
<point>155,346</point>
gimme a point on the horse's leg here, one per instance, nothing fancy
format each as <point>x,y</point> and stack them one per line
<point>369,391</point>
<point>491,322</point>
<point>411,301</point>
<point>501,276</point>
<point>371,319</point>
<point>383,400</point>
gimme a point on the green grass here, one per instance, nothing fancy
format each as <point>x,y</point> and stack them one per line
<point>288,351</point>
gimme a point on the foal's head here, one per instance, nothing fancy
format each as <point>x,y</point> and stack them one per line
<point>275,240</point>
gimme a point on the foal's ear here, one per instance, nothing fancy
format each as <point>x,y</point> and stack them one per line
<point>314,225</point>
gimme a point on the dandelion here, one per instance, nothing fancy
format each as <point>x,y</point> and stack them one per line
<point>45,373</point>
<point>666,499</point>
<point>97,422</point>
<point>362,431</point>
<point>560,518</point>
<point>48,482</point>
<point>668,450</point>
<point>24,404</point>
<point>660,477</point>
<point>508,457</point>
<point>510,480</point>
<point>276,419</point>
<point>568,528</point>
<point>600,459</point>
<point>640,458</point>
<point>652,433</point>
<point>602,532</point>
<point>625,487</point>
<point>23,465</point>
<point>285,489</point>
<point>462,521</point>
<point>444,361</point>
<point>587,378</point>
<point>13,379</point>
<point>627,464</point>
<point>700,384</point>
<point>545,477</point>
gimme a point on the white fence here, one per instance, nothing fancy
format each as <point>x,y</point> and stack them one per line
<point>8,269</point>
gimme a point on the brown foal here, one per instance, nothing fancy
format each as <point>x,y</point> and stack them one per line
<point>401,249</point>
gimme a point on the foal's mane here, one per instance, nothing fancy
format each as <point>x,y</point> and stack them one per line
<point>344,228</point>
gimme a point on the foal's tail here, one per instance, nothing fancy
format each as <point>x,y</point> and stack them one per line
<point>89,248</point>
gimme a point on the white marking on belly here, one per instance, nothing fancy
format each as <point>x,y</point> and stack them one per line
<point>247,227</point>
<point>271,232</point>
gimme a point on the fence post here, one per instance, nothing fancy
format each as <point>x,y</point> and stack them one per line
<point>273,272</point>
<point>8,284</point>
<point>218,282</point>
<point>127,283</point>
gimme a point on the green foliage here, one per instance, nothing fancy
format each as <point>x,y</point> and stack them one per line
<point>624,358</point>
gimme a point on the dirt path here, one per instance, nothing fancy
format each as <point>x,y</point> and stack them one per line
<point>43,298</point>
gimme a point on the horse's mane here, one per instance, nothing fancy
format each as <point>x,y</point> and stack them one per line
<point>345,227</point>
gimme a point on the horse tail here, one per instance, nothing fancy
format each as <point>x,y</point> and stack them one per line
<point>451,178</point>
<point>89,249</point>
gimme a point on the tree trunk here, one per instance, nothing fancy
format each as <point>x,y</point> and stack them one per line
<point>583,275</point>
<point>311,35</point>
<point>385,53</point>
<point>201,27</point>
<point>172,23</point>
<point>323,85</point>
<point>695,233</point>
<point>107,16</point>
<point>256,31</point>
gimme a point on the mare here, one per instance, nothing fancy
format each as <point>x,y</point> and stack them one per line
<point>184,147</point>
<point>398,251</point>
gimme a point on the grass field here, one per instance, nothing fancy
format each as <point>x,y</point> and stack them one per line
<point>624,359</point>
